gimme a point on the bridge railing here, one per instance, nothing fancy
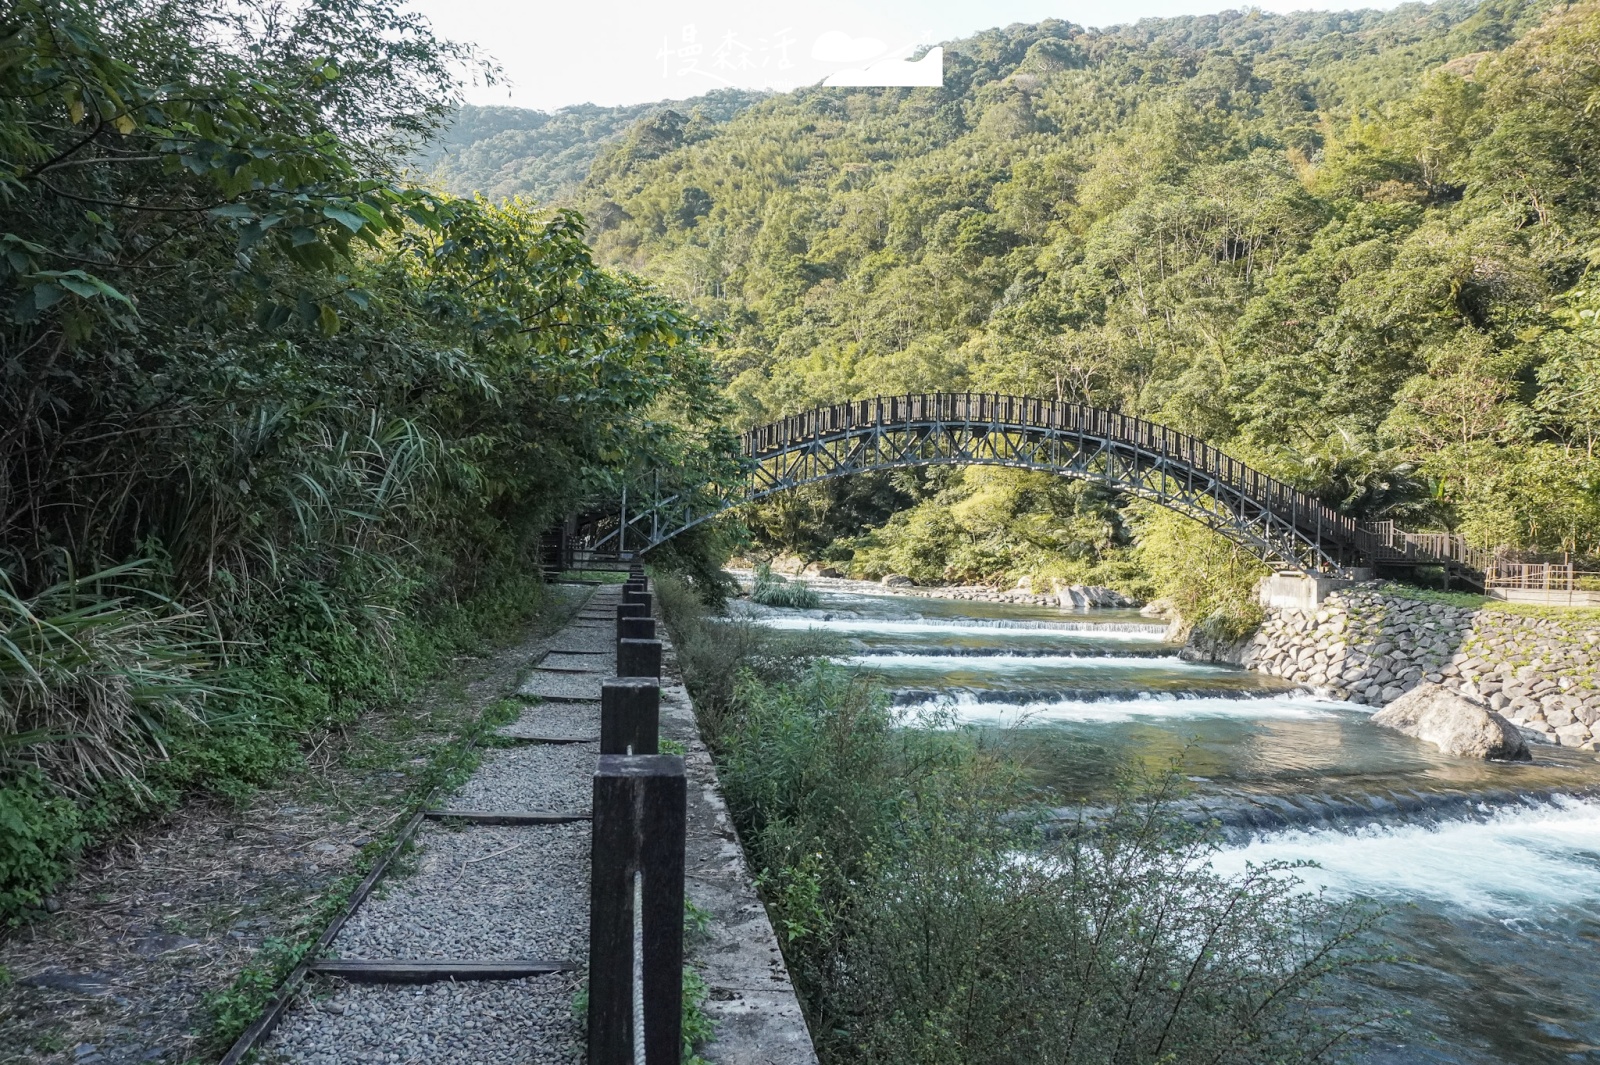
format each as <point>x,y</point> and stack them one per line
<point>1301,510</point>
<point>1389,541</point>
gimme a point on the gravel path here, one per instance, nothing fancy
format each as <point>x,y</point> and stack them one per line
<point>506,893</point>
<point>481,892</point>
<point>603,664</point>
<point>557,720</point>
<point>507,1022</point>
<point>585,686</point>
<point>557,777</point>
<point>589,641</point>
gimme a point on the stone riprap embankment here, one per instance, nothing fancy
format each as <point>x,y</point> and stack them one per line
<point>1368,646</point>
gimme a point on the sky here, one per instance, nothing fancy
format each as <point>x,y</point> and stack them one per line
<point>560,52</point>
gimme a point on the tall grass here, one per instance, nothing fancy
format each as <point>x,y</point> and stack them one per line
<point>925,918</point>
<point>772,589</point>
<point>715,651</point>
<point>95,676</point>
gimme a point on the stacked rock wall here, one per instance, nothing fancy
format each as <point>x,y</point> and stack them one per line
<point>1370,647</point>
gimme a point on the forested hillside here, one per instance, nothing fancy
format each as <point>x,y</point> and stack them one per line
<point>504,152</point>
<point>1353,248</point>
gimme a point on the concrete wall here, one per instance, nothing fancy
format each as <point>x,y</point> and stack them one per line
<point>1296,591</point>
<point>752,1000</point>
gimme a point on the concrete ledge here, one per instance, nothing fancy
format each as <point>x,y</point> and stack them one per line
<point>1296,591</point>
<point>752,1000</point>
<point>1543,597</point>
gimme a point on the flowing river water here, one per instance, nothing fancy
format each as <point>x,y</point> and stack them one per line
<point>1491,872</point>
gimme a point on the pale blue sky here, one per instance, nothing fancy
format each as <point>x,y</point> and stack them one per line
<point>624,51</point>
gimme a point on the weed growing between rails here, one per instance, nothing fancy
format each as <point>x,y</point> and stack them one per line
<point>924,919</point>
<point>236,1007</point>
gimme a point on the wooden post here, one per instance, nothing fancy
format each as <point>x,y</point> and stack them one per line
<point>630,716</point>
<point>636,628</point>
<point>640,813</point>
<point>639,658</point>
<point>630,610</point>
<point>644,599</point>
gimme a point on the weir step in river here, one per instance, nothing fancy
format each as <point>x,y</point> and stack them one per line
<point>1491,871</point>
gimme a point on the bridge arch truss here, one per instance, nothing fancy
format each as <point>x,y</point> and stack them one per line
<point>1280,525</point>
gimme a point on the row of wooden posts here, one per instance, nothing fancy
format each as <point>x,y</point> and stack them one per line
<point>637,857</point>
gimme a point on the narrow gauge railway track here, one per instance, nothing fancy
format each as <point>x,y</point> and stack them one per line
<point>480,813</point>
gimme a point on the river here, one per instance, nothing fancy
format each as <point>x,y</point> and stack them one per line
<point>1491,872</point>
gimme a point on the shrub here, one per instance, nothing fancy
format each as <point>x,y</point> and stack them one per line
<point>714,652</point>
<point>926,922</point>
<point>772,589</point>
<point>40,833</point>
<point>1207,576</point>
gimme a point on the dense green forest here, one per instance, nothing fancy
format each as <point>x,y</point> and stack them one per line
<point>507,152</point>
<point>278,432</point>
<point>1355,249</point>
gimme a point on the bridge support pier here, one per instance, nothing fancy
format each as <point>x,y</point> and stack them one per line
<point>1300,591</point>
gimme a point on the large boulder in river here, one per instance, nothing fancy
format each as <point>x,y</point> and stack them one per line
<point>895,580</point>
<point>1085,596</point>
<point>1454,723</point>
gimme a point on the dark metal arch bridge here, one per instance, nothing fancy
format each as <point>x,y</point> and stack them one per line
<point>1279,524</point>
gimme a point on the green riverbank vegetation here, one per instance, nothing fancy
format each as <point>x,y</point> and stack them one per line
<point>773,589</point>
<point>1355,249</point>
<point>278,432</point>
<point>925,919</point>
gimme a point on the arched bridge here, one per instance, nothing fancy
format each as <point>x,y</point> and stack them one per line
<point>1277,523</point>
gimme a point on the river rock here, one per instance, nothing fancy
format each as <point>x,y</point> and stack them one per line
<point>895,580</point>
<point>1083,596</point>
<point>1454,724</point>
<point>1158,608</point>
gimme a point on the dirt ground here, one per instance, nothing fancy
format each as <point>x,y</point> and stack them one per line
<point>154,924</point>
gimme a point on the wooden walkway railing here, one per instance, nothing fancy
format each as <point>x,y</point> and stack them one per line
<point>1391,542</point>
